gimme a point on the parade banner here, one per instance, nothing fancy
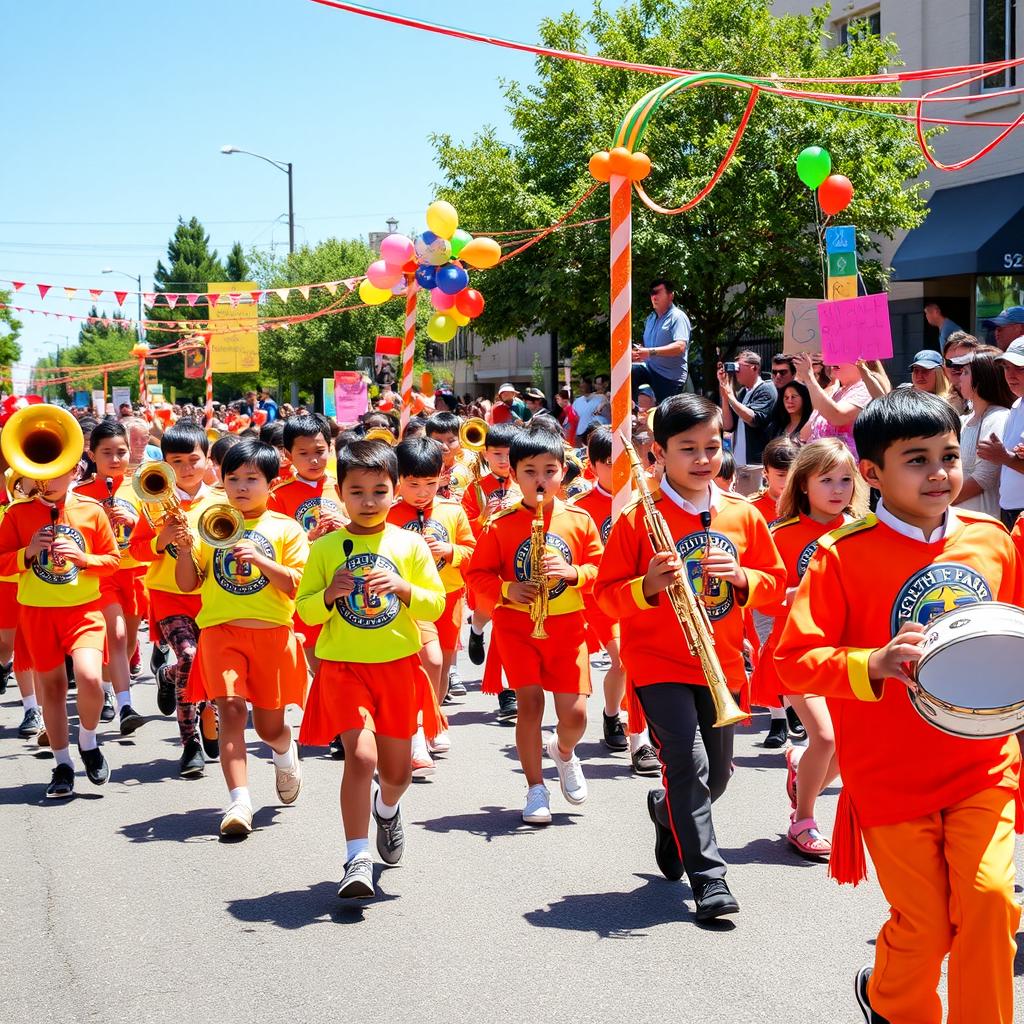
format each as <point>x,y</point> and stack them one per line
<point>351,398</point>
<point>856,328</point>
<point>195,363</point>
<point>328,393</point>
<point>233,347</point>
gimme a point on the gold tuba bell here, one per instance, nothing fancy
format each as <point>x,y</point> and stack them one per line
<point>153,482</point>
<point>472,434</point>
<point>41,442</point>
<point>381,434</point>
<point>221,526</point>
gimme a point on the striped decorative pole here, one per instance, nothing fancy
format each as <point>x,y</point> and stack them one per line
<point>140,351</point>
<point>408,347</point>
<point>209,386</point>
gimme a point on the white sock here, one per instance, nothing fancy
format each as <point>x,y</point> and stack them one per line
<point>778,714</point>
<point>638,740</point>
<point>63,757</point>
<point>29,702</point>
<point>285,761</point>
<point>384,810</point>
<point>87,738</point>
<point>473,629</point>
<point>124,700</point>
<point>240,795</point>
<point>354,847</point>
<point>419,744</point>
<point>108,688</point>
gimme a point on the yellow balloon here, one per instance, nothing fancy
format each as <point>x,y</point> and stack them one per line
<point>481,253</point>
<point>442,219</point>
<point>372,295</point>
<point>460,318</point>
<point>441,328</point>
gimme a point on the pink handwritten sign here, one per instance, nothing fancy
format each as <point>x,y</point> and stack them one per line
<point>350,396</point>
<point>853,329</point>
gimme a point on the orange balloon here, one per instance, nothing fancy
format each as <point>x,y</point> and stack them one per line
<point>639,166</point>
<point>620,160</point>
<point>481,253</point>
<point>598,165</point>
<point>427,383</point>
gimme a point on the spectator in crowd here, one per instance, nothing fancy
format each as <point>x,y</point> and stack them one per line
<point>287,411</point>
<point>783,370</point>
<point>747,412</point>
<point>386,374</point>
<point>1007,327</point>
<point>792,410</point>
<point>445,401</point>
<point>959,343</point>
<point>125,410</point>
<point>835,409</point>
<point>536,402</point>
<point>567,415</point>
<point>645,399</point>
<point>935,315</point>
<point>926,373</point>
<point>592,407</point>
<point>661,360</point>
<point>1003,451</point>
<point>983,384</point>
<point>507,407</point>
<point>249,404</point>
<point>268,405</point>
<point>876,380</point>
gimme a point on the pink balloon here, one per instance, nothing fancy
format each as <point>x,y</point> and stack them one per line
<point>440,300</point>
<point>383,276</point>
<point>396,250</point>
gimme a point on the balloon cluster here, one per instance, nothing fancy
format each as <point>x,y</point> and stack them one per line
<point>437,260</point>
<point>814,168</point>
<point>12,403</point>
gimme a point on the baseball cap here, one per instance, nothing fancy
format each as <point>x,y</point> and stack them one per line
<point>1010,315</point>
<point>928,358</point>
<point>535,393</point>
<point>645,389</point>
<point>1014,354</point>
<point>508,387</point>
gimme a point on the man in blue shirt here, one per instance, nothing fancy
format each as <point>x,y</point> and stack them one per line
<point>661,360</point>
<point>268,405</point>
<point>936,316</point>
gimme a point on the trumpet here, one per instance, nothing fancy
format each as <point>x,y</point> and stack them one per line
<point>154,484</point>
<point>689,609</point>
<point>472,434</point>
<point>381,434</point>
<point>538,545</point>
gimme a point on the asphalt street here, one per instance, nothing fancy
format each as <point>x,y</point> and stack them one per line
<point>124,905</point>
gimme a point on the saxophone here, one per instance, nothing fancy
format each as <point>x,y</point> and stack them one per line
<point>689,609</point>
<point>538,545</point>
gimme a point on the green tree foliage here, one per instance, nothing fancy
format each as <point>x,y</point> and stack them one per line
<point>99,344</point>
<point>236,267</point>
<point>739,254</point>
<point>10,329</point>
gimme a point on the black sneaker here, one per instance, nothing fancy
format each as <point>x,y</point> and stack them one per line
<point>192,764</point>
<point>358,881</point>
<point>860,990</point>
<point>614,734</point>
<point>448,700</point>
<point>777,734</point>
<point>211,744</point>
<point>166,700</point>
<point>645,760</point>
<point>158,657</point>
<point>456,687</point>
<point>715,900</point>
<point>390,836</point>
<point>96,766</point>
<point>337,749</point>
<point>508,706</point>
<point>109,710</point>
<point>130,720</point>
<point>62,783</point>
<point>5,676</point>
<point>31,724</point>
<point>666,852</point>
<point>475,647</point>
<point>796,727</point>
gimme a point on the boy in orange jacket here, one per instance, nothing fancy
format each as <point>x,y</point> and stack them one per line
<point>936,811</point>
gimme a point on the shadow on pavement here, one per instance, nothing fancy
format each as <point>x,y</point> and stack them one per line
<point>493,822</point>
<point>201,823</point>
<point>768,851</point>
<point>756,761</point>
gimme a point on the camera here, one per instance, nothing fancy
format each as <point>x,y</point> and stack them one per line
<point>732,367</point>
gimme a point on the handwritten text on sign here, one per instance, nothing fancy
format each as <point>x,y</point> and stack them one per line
<point>856,328</point>
<point>801,333</point>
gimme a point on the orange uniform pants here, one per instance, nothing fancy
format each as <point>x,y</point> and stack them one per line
<point>949,879</point>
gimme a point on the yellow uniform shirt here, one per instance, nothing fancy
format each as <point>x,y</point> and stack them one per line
<point>160,575</point>
<point>362,630</point>
<point>447,522</point>
<point>125,497</point>
<point>231,591</point>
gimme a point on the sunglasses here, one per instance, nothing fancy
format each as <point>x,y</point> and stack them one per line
<point>950,365</point>
<point>779,373</point>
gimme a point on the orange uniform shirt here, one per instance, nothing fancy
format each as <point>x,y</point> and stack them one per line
<point>43,584</point>
<point>652,646</point>
<point>503,552</point>
<point>483,499</point>
<point>445,521</point>
<point>597,503</point>
<point>123,496</point>
<point>765,504</point>
<point>862,584</point>
<point>302,500</point>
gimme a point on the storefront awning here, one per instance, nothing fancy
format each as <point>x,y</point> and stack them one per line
<point>971,229</point>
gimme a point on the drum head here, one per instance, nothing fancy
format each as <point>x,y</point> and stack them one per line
<point>979,672</point>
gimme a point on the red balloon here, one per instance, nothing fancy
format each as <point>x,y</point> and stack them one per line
<point>469,302</point>
<point>835,194</point>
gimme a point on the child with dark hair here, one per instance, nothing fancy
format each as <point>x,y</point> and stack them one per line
<point>779,455</point>
<point>460,467</point>
<point>540,643</point>
<point>273,434</point>
<point>727,474</point>
<point>218,450</point>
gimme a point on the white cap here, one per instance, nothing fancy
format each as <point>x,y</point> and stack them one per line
<point>508,387</point>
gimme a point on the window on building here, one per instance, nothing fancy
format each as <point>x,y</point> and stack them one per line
<point>860,27</point>
<point>999,40</point>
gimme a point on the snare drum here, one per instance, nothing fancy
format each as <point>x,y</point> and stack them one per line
<point>970,678</point>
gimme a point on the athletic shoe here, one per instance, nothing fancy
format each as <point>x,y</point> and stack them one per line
<point>422,764</point>
<point>62,783</point>
<point>390,835</point>
<point>357,884</point>
<point>860,990</point>
<point>666,852</point>
<point>96,767</point>
<point>508,706</point>
<point>456,687</point>
<point>447,700</point>
<point>130,720</point>
<point>158,658</point>
<point>440,744</point>
<point>191,765</point>
<point>614,734</point>
<point>109,710</point>
<point>288,781</point>
<point>796,727</point>
<point>31,724</point>
<point>5,676</point>
<point>715,900</point>
<point>570,774</point>
<point>237,820</point>
<point>645,760</point>
<point>135,663</point>
<point>777,734</point>
<point>209,737</point>
<point>475,647</point>
<point>166,700</point>
<point>337,749</point>
<point>537,810</point>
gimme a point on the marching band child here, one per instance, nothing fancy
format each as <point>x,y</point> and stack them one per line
<point>557,662</point>
<point>367,584</point>
<point>247,650</point>
<point>779,454</point>
<point>935,810</point>
<point>727,557</point>
<point>218,450</point>
<point>455,476</point>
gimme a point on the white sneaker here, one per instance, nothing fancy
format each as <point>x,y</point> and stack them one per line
<point>440,744</point>
<point>570,774</point>
<point>237,820</point>
<point>289,780</point>
<point>538,806</point>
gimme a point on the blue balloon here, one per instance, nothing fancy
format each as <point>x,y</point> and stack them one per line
<point>451,279</point>
<point>425,276</point>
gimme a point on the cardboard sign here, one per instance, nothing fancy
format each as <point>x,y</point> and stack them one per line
<point>120,396</point>
<point>842,238</point>
<point>842,287</point>
<point>351,398</point>
<point>327,384</point>
<point>856,328</point>
<point>800,332</point>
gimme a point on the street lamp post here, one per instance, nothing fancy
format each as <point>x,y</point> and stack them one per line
<point>138,280</point>
<point>281,166</point>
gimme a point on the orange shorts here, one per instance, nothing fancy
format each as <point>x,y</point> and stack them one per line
<point>165,603</point>
<point>559,664</point>
<point>265,666</point>
<point>50,633</point>
<point>9,606</point>
<point>600,628</point>
<point>448,627</point>
<point>309,634</point>
<point>379,696</point>
<point>127,589</point>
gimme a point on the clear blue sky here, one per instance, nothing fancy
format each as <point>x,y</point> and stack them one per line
<point>118,110</point>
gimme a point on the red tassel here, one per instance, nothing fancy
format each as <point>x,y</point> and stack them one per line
<point>847,863</point>
<point>635,710</point>
<point>1018,821</point>
<point>434,721</point>
<point>492,671</point>
<point>745,706</point>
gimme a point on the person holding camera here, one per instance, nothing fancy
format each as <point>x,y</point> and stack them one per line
<point>747,412</point>
<point>661,360</point>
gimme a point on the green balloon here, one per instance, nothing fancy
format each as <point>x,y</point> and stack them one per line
<point>459,241</point>
<point>813,166</point>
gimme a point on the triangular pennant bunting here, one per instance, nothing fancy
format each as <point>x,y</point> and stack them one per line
<point>120,296</point>
<point>304,291</point>
<point>193,298</point>
<point>43,289</point>
<point>18,285</point>
<point>149,298</point>
<point>213,298</point>
<point>282,293</point>
<point>69,293</point>
<point>95,293</point>
<point>234,298</point>
<point>256,296</point>
<point>332,287</point>
<point>172,299</point>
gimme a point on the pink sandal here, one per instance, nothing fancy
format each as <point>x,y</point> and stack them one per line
<point>791,778</point>
<point>805,838</point>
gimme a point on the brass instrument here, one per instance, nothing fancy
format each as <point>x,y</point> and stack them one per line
<point>472,434</point>
<point>213,434</point>
<point>57,560</point>
<point>221,525</point>
<point>689,609</point>
<point>538,546</point>
<point>154,483</point>
<point>381,434</point>
<point>42,442</point>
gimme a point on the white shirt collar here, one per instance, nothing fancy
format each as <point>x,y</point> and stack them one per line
<point>308,483</point>
<point>601,490</point>
<point>949,523</point>
<point>710,503</point>
<point>185,496</point>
